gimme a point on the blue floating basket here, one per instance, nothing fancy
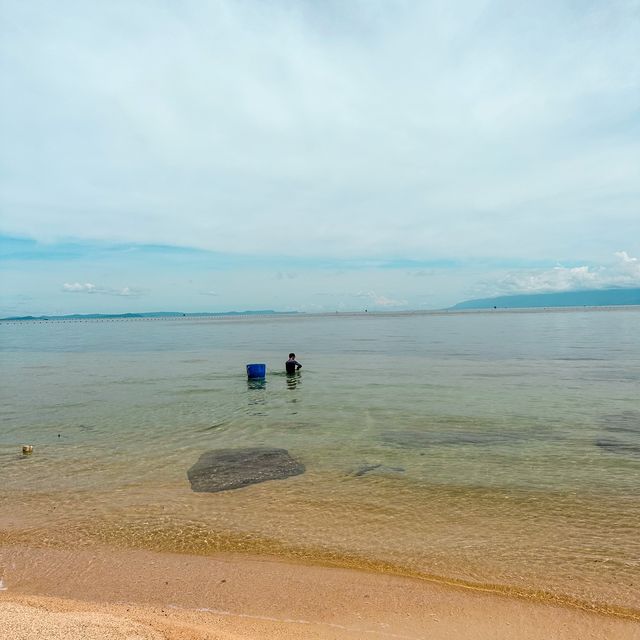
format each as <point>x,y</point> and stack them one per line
<point>256,370</point>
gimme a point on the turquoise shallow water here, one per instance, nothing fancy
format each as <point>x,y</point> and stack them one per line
<point>488,448</point>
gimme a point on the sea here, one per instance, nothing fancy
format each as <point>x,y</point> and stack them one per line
<point>496,450</point>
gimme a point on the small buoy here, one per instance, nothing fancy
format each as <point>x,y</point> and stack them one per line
<point>27,449</point>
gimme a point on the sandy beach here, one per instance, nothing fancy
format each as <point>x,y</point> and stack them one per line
<point>141,595</point>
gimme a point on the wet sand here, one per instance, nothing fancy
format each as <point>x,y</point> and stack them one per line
<point>142,595</point>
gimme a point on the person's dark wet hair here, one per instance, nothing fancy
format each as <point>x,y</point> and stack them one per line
<point>292,355</point>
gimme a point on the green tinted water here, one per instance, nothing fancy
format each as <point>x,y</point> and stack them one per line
<point>494,449</point>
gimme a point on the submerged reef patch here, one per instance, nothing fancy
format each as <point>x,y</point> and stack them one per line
<point>226,469</point>
<point>616,446</point>
<point>625,429</point>
<point>377,469</point>
<point>624,422</point>
<point>423,439</point>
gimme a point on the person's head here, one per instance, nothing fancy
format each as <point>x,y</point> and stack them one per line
<point>292,355</point>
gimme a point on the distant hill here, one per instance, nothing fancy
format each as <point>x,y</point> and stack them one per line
<point>158,314</point>
<point>593,298</point>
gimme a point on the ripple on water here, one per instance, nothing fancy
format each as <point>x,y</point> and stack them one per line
<point>531,482</point>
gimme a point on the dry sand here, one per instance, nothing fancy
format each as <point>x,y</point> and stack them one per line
<point>140,595</point>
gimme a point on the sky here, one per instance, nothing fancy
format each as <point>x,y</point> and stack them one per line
<point>315,156</point>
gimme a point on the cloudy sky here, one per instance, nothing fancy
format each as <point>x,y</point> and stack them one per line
<point>295,154</point>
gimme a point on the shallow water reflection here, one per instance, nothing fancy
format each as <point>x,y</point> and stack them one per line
<point>491,449</point>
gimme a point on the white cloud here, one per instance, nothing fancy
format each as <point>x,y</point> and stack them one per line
<point>383,301</point>
<point>378,300</point>
<point>625,272</point>
<point>77,287</point>
<point>126,292</point>
<point>414,129</point>
<point>557,279</point>
<point>312,134</point>
<point>88,287</point>
<point>628,268</point>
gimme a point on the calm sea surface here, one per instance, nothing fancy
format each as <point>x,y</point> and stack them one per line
<point>496,449</point>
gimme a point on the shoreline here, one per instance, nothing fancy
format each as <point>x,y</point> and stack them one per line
<point>146,594</point>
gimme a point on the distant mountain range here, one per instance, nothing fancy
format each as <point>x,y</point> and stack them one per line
<point>593,298</point>
<point>158,314</point>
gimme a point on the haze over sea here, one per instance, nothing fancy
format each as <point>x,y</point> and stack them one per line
<point>495,449</point>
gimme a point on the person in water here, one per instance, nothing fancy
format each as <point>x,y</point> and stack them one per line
<point>292,364</point>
